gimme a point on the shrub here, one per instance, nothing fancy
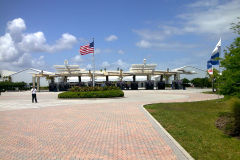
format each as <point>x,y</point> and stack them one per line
<point>12,86</point>
<point>235,104</point>
<point>87,89</point>
<point>92,94</point>
<point>201,82</point>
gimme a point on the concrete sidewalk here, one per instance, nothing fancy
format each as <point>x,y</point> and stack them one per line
<point>116,128</point>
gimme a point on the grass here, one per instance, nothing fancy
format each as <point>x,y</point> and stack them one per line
<point>192,124</point>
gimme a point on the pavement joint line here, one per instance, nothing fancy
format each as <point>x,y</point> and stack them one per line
<point>167,137</point>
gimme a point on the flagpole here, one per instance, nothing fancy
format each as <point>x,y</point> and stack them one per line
<point>212,79</point>
<point>93,66</point>
<point>220,48</point>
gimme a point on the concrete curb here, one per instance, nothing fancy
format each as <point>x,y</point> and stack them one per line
<point>179,151</point>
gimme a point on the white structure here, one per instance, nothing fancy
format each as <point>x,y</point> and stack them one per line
<point>4,74</point>
<point>27,74</point>
<point>199,73</point>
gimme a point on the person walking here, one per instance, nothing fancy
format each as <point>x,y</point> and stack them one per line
<point>34,95</point>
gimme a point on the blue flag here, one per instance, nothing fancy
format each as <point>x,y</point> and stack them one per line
<point>216,53</point>
<point>209,64</point>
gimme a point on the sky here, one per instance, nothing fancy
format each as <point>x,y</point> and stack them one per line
<point>170,33</point>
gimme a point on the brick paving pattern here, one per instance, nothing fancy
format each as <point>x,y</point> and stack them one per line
<point>110,129</point>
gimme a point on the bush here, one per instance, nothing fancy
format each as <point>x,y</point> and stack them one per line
<point>44,88</point>
<point>12,86</point>
<point>87,89</point>
<point>92,94</point>
<point>231,121</point>
<point>235,104</point>
<point>201,82</point>
<point>186,82</point>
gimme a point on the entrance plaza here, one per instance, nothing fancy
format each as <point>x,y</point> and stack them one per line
<point>111,128</point>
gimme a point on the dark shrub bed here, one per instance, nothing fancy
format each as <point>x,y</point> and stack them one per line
<point>92,94</point>
<point>229,122</point>
<point>4,86</point>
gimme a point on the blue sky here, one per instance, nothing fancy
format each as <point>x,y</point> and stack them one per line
<point>170,33</point>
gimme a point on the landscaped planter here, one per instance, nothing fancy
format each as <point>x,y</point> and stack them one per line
<point>92,94</point>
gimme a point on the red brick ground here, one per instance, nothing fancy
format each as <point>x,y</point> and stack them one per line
<point>106,131</point>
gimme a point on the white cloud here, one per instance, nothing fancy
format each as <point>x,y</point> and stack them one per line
<point>105,64</point>
<point>111,38</point>
<point>8,51</point>
<point>205,18</point>
<point>163,46</point>
<point>143,44</point>
<point>149,34</point>
<point>15,28</point>
<point>120,51</point>
<point>97,51</point>
<point>16,46</point>
<point>77,59</point>
<point>204,3</point>
<point>106,50</point>
<point>89,66</point>
<point>121,64</point>
<point>33,42</point>
<point>65,42</point>
<point>215,19</point>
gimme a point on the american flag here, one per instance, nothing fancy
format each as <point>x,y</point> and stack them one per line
<point>86,49</point>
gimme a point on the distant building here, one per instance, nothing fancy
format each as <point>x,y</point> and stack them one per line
<point>26,76</point>
<point>4,74</point>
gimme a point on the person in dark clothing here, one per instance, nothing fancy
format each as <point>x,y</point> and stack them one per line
<point>34,95</point>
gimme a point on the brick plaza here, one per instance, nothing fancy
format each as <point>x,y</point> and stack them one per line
<point>91,129</point>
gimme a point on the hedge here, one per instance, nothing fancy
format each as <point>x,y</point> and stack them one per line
<point>96,88</point>
<point>12,85</point>
<point>92,94</point>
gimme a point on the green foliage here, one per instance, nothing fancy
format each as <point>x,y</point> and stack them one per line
<point>92,94</point>
<point>12,86</point>
<point>44,88</point>
<point>235,104</point>
<point>230,79</point>
<point>185,81</point>
<point>201,82</point>
<point>87,89</point>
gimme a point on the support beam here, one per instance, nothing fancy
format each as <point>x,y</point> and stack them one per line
<point>79,79</point>
<point>167,79</point>
<point>134,78</point>
<point>106,78</point>
<point>65,79</point>
<point>33,81</point>
<point>178,76</point>
<point>121,75</point>
<point>148,77</point>
<point>38,84</point>
<point>52,79</point>
<point>161,78</point>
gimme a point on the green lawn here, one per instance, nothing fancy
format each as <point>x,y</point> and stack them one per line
<point>192,124</point>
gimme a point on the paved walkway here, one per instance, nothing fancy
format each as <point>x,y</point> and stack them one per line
<point>94,129</point>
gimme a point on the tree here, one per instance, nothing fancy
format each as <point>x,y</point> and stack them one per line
<point>185,81</point>
<point>201,82</point>
<point>230,79</point>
